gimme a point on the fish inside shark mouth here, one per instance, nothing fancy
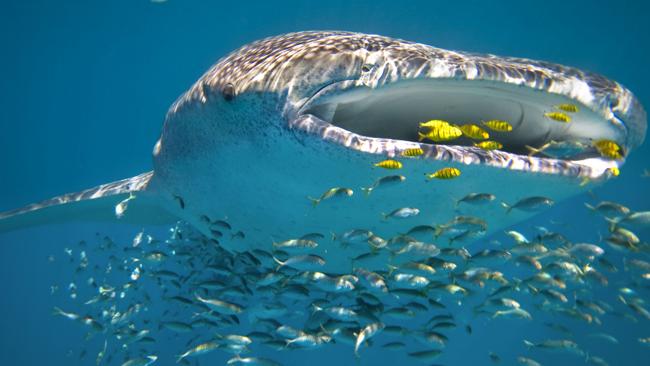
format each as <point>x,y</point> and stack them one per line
<point>396,111</point>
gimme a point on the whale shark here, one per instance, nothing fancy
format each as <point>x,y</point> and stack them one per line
<point>293,116</point>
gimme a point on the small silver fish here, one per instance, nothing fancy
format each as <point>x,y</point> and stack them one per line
<point>528,361</point>
<point>476,199</point>
<point>609,209</point>
<point>402,213</point>
<point>530,204</point>
<point>331,193</point>
<point>374,280</point>
<point>308,262</point>
<point>252,361</point>
<point>383,182</point>
<point>141,361</point>
<point>427,355</point>
<point>366,333</point>
<point>640,220</point>
<point>200,349</point>
<point>221,307</point>
<point>296,244</point>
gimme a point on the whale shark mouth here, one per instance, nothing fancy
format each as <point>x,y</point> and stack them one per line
<point>386,120</point>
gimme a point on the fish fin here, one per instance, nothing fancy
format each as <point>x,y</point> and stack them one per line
<point>367,190</point>
<point>314,201</point>
<point>139,205</point>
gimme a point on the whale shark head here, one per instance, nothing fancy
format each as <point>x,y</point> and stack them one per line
<point>368,93</point>
<point>293,116</point>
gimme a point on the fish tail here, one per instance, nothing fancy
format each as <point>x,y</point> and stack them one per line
<point>57,311</point>
<point>529,344</point>
<point>314,201</point>
<point>180,358</point>
<point>437,231</point>
<point>237,358</point>
<point>421,136</point>
<point>612,224</point>
<point>384,216</point>
<point>280,264</point>
<point>532,151</point>
<point>367,190</point>
<point>507,207</point>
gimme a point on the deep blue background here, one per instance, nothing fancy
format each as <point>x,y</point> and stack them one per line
<point>84,87</point>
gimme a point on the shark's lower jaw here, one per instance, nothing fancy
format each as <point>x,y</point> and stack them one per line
<point>386,121</point>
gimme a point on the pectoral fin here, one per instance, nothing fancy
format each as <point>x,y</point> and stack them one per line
<point>95,204</point>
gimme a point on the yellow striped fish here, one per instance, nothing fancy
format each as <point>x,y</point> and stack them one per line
<point>441,133</point>
<point>434,123</point>
<point>608,149</point>
<point>474,132</point>
<point>571,108</point>
<point>389,164</point>
<point>558,116</point>
<point>489,145</point>
<point>444,173</point>
<point>412,152</point>
<point>498,125</point>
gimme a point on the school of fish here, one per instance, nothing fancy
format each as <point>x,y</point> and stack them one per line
<point>278,299</point>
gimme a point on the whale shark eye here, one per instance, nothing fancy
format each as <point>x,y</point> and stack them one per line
<point>228,92</point>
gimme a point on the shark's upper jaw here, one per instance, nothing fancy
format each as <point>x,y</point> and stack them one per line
<point>385,120</point>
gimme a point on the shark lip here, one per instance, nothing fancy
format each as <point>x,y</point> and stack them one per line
<point>385,120</point>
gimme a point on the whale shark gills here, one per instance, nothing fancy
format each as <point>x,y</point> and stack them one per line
<point>250,145</point>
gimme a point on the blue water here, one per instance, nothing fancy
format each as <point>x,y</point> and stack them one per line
<point>85,86</point>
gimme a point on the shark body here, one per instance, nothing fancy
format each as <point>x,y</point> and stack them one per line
<point>292,116</point>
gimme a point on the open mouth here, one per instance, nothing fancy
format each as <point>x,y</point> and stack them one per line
<point>543,132</point>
